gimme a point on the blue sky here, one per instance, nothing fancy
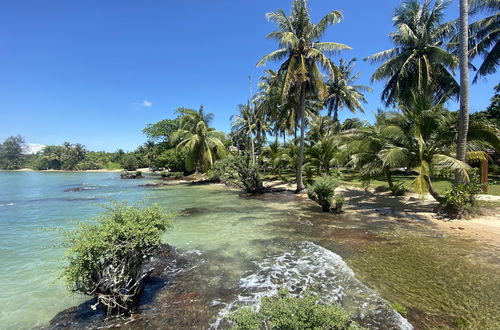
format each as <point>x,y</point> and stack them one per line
<point>96,72</point>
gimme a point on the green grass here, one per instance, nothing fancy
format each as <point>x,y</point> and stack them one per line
<point>439,184</point>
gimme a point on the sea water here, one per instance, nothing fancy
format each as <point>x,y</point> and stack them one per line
<point>251,245</point>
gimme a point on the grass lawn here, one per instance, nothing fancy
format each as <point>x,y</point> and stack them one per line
<point>440,185</point>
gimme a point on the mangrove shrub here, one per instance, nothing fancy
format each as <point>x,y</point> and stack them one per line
<point>105,257</point>
<point>238,170</point>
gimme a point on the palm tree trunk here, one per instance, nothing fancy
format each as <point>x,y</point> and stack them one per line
<point>335,115</point>
<point>463,126</point>
<point>252,145</point>
<point>433,193</point>
<point>389,179</point>
<point>302,106</point>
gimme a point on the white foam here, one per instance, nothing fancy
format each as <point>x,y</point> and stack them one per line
<point>7,204</point>
<point>311,267</point>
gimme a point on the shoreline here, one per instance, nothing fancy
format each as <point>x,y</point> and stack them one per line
<point>103,170</point>
<point>366,208</point>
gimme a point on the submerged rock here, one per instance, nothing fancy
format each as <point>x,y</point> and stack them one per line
<point>77,189</point>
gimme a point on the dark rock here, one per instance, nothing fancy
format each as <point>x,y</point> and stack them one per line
<point>76,189</point>
<point>162,267</point>
<point>153,185</point>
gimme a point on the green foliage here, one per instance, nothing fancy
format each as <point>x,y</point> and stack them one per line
<point>400,309</point>
<point>113,166</point>
<point>201,144</point>
<point>162,131</point>
<point>104,257</point>
<point>419,59</point>
<point>129,162</point>
<point>238,170</point>
<point>399,189</point>
<point>300,54</point>
<point>11,153</point>
<point>460,199</point>
<point>340,201</point>
<point>287,312</point>
<point>308,173</point>
<point>172,159</point>
<point>176,175</point>
<point>323,191</point>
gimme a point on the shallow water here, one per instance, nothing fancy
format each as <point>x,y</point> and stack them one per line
<point>244,246</point>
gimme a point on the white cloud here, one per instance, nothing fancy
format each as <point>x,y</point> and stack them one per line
<point>146,104</point>
<point>33,148</point>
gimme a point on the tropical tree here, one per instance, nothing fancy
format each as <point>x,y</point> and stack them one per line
<point>11,152</point>
<point>367,148</point>
<point>431,138</point>
<point>419,58</point>
<point>201,144</point>
<point>243,124</point>
<point>320,127</point>
<point>322,154</point>
<point>342,92</point>
<point>272,157</point>
<point>485,36</point>
<point>189,118</point>
<point>301,51</point>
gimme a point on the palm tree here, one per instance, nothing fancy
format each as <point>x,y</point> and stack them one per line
<point>320,127</point>
<point>243,125</point>
<point>301,51</point>
<point>190,118</point>
<point>367,149</point>
<point>464,87</point>
<point>201,144</point>
<point>419,58</point>
<point>342,93</point>
<point>431,138</point>
<point>272,157</point>
<point>485,36</point>
<point>322,154</point>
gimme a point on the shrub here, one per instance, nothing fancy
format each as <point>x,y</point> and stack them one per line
<point>238,170</point>
<point>105,257</point>
<point>399,189</point>
<point>460,199</point>
<point>176,175</point>
<point>309,173</point>
<point>171,159</point>
<point>340,201</point>
<point>285,311</point>
<point>323,191</point>
<point>130,162</point>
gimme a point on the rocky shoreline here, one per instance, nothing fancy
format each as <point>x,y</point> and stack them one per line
<point>164,267</point>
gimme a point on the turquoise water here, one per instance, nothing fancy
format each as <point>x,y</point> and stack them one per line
<point>249,246</point>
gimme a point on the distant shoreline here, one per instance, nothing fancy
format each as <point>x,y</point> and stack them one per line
<point>144,170</point>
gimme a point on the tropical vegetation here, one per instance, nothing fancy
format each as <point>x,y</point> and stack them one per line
<point>284,311</point>
<point>105,258</point>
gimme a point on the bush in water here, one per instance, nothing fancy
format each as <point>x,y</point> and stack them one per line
<point>285,311</point>
<point>238,170</point>
<point>323,191</point>
<point>105,257</point>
